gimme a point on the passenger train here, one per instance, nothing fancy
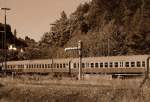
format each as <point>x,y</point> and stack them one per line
<point>111,65</point>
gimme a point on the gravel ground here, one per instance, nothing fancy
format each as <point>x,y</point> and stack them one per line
<point>29,92</point>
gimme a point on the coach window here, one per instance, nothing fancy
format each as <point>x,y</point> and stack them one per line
<point>34,65</point>
<point>106,64</point>
<point>46,65</point>
<point>40,65</point>
<point>138,64</point>
<point>143,63</point>
<point>7,66</point>
<point>121,64</point>
<point>110,64</point>
<point>87,65</point>
<point>96,65</point>
<point>64,65</point>
<point>132,64</point>
<point>60,65</point>
<point>83,65</point>
<point>30,65</point>
<point>54,65</point>
<point>116,64</point>
<point>92,65</point>
<point>101,65</point>
<point>74,65</point>
<point>57,65</point>
<point>49,66</point>
<point>126,64</point>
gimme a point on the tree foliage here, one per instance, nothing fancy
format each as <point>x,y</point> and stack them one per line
<point>106,27</point>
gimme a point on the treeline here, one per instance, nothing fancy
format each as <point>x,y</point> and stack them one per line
<point>106,28</point>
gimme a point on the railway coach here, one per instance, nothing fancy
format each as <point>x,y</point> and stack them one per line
<point>110,65</point>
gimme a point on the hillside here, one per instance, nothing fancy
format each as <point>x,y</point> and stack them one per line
<point>106,28</point>
<point>116,27</point>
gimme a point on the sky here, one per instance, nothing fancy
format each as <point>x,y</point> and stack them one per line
<point>33,17</point>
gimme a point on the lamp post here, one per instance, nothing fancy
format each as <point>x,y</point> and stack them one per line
<point>5,49</point>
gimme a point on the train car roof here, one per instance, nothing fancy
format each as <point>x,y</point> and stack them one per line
<point>103,58</point>
<point>118,58</point>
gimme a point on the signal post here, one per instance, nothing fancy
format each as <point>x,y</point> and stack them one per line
<point>79,49</point>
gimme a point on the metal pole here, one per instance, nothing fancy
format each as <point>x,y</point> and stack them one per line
<point>5,38</point>
<point>79,49</point>
<point>147,70</point>
<point>80,59</point>
<point>5,49</point>
<point>2,60</point>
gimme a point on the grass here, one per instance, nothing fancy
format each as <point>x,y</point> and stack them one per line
<point>99,90</point>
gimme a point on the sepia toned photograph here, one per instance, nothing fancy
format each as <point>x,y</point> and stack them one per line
<point>74,50</point>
